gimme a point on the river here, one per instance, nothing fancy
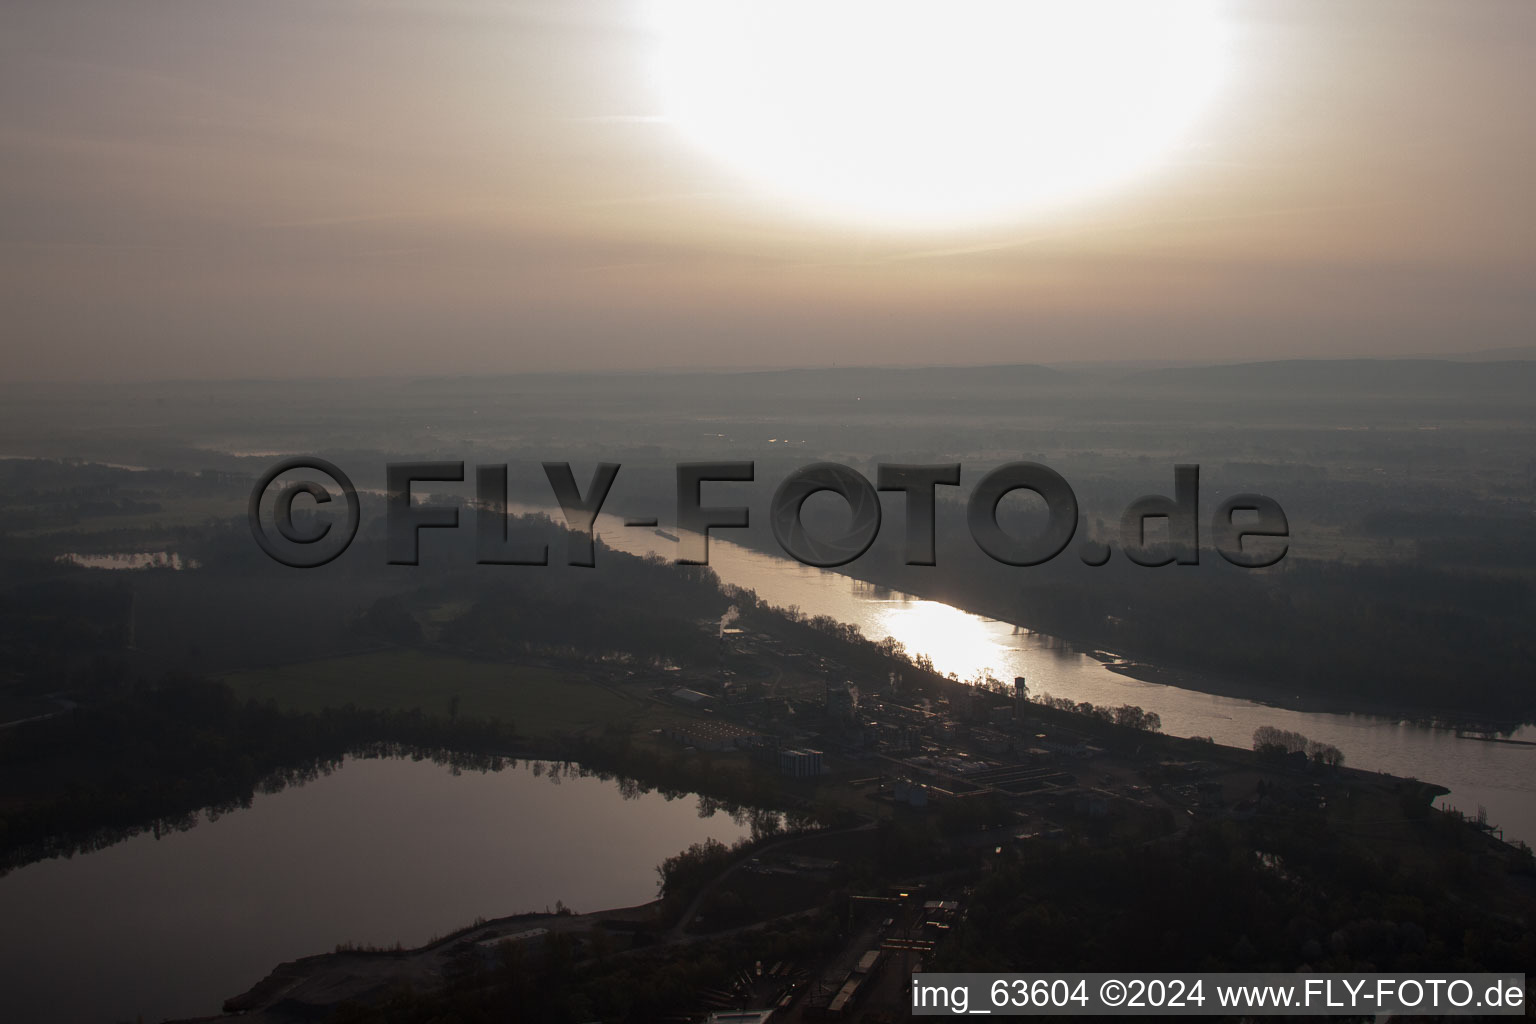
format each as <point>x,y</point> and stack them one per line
<point>1498,776</point>
<point>379,852</point>
<point>396,851</point>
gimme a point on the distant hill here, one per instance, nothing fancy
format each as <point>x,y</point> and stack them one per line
<point>956,379</point>
<point>1443,378</point>
<point>1493,355</point>
<point>810,382</point>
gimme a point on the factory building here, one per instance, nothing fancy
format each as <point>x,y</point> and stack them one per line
<point>800,764</point>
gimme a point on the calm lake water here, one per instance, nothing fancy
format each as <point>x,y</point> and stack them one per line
<point>1498,776</point>
<point>379,852</point>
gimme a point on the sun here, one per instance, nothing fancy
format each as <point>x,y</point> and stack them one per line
<point>924,114</point>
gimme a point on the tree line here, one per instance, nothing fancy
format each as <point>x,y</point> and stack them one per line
<point>1271,742</point>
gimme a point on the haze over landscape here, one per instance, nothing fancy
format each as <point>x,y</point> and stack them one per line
<point>299,189</point>
<point>1241,290</point>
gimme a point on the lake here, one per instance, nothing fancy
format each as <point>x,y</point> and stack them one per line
<point>398,851</point>
<point>378,852</point>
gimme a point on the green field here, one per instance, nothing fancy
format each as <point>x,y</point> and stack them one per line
<point>537,701</point>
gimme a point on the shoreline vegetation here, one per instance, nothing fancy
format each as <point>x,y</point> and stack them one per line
<point>199,690</point>
<point>1184,673</point>
<point>1259,693</point>
<point>184,738</point>
<point>498,695</point>
<point>164,794</point>
<point>1368,621</point>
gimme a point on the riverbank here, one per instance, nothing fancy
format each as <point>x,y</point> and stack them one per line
<point>1155,789</point>
<point>1384,737</point>
<point>313,986</point>
<point>1269,695</point>
<point>1167,672</point>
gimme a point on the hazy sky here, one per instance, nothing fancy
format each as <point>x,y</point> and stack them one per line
<point>208,188</point>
